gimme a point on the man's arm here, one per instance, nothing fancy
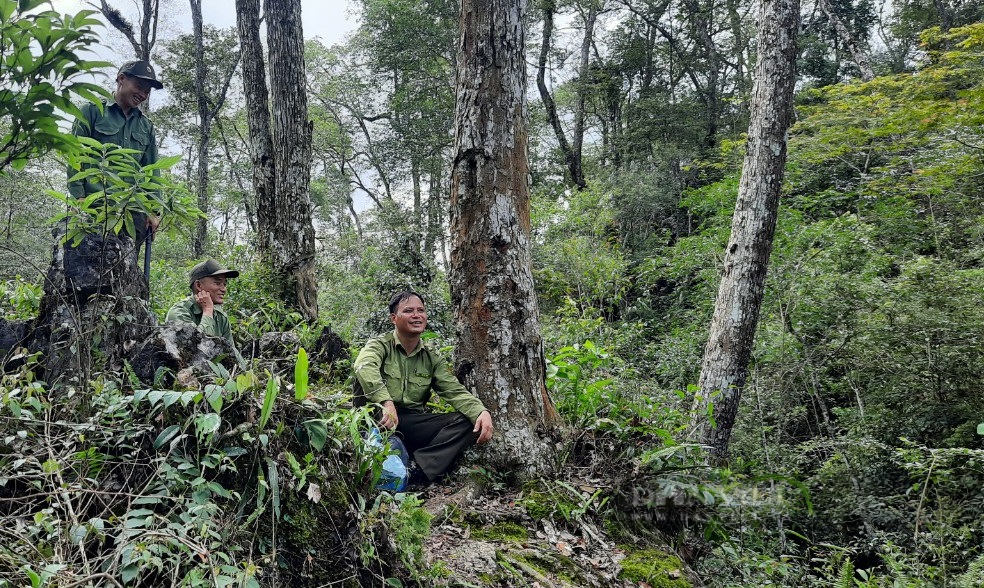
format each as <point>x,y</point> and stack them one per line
<point>80,128</point>
<point>150,157</point>
<point>181,313</point>
<point>447,386</point>
<point>367,368</point>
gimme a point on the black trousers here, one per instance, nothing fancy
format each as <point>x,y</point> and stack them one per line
<point>435,440</point>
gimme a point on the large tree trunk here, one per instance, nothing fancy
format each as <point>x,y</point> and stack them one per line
<point>293,245</point>
<point>281,151</point>
<point>205,122</point>
<point>258,115</point>
<point>736,310</point>
<point>500,349</point>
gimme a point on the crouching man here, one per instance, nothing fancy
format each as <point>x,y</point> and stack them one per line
<point>209,280</point>
<point>400,373</point>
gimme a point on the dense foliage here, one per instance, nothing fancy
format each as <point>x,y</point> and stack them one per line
<point>857,459</point>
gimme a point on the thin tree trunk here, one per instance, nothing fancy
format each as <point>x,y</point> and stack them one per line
<point>736,311</point>
<point>500,349</point>
<point>577,146</point>
<point>294,246</point>
<point>572,160</point>
<point>858,53</point>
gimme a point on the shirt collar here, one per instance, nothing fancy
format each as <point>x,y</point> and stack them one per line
<point>398,343</point>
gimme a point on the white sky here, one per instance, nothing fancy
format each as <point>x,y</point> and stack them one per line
<point>329,20</point>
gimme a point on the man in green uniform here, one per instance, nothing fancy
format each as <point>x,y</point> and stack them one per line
<point>122,123</point>
<point>399,372</point>
<point>208,289</point>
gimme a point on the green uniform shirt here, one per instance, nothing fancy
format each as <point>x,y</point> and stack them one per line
<point>217,325</point>
<point>386,372</point>
<point>112,126</point>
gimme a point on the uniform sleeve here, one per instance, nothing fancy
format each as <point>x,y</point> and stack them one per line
<point>368,366</point>
<point>181,313</point>
<point>80,129</point>
<point>447,386</point>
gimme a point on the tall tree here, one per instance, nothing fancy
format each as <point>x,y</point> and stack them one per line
<point>293,244</point>
<point>208,109</point>
<point>572,156</point>
<point>736,311</point>
<point>280,146</point>
<point>500,349</point>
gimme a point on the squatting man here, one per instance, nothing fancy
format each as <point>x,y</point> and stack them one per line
<point>208,282</point>
<point>399,372</point>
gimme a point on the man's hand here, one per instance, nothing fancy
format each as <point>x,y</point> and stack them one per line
<point>483,426</point>
<point>204,301</point>
<point>389,420</point>
<point>153,222</point>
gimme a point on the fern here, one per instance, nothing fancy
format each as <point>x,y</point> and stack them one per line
<point>974,576</point>
<point>845,579</point>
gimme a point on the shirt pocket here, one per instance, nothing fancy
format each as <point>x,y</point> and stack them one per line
<point>108,129</point>
<point>393,378</point>
<point>139,139</point>
<point>419,387</point>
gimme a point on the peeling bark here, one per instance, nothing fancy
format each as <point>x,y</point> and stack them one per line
<point>725,366</point>
<point>500,349</point>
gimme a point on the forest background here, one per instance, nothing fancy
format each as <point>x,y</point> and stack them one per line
<point>856,458</point>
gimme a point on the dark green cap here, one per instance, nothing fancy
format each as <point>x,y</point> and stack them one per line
<point>211,269</point>
<point>143,70</point>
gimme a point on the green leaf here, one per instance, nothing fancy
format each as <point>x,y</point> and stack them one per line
<point>980,429</point>
<point>206,424</point>
<point>317,431</point>
<point>129,573</point>
<point>274,481</point>
<point>213,394</point>
<point>301,375</point>
<point>273,387</point>
<point>166,435</point>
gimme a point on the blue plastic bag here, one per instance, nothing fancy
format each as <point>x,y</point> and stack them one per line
<point>394,475</point>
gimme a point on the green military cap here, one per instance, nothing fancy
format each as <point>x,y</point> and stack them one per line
<point>143,70</point>
<point>210,269</point>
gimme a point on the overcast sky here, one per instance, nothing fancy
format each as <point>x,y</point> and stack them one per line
<point>329,20</point>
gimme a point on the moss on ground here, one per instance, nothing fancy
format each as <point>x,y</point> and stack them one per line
<point>657,568</point>
<point>504,531</point>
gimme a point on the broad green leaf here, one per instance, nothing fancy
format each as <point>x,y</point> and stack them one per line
<point>301,375</point>
<point>166,435</point>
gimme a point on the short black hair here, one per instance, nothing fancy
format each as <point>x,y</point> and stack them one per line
<point>400,297</point>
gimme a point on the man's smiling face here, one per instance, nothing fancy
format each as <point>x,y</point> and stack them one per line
<point>410,317</point>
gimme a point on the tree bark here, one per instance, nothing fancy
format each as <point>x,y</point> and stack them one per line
<point>500,349</point>
<point>293,242</point>
<point>725,365</point>
<point>205,129</point>
<point>258,116</point>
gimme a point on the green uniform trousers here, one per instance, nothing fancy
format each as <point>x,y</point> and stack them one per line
<point>435,440</point>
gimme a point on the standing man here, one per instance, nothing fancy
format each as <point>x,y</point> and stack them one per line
<point>399,372</point>
<point>209,280</point>
<point>121,122</point>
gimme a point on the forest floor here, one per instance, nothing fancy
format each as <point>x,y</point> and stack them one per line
<point>485,536</point>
